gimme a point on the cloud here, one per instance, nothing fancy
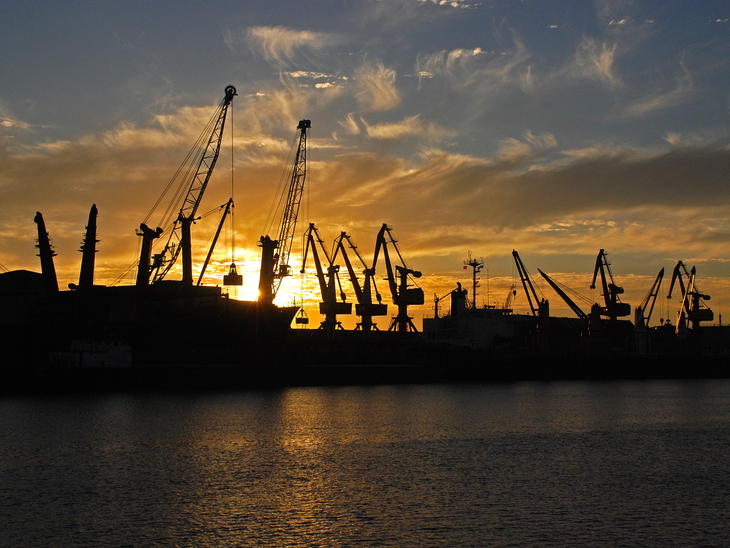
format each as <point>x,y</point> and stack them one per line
<point>693,139</point>
<point>661,100</point>
<point>595,61</point>
<point>486,69</point>
<point>7,120</point>
<point>445,63</point>
<point>527,82</point>
<point>451,3</point>
<point>375,87</point>
<point>279,44</point>
<point>318,80</point>
<point>411,127</point>
<point>514,150</point>
<point>350,124</point>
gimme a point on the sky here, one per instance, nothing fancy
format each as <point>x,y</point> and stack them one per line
<point>556,128</point>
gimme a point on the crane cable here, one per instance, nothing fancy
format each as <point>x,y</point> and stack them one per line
<point>233,204</point>
<point>187,164</point>
<point>281,189</point>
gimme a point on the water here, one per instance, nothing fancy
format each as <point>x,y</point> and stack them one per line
<point>551,464</point>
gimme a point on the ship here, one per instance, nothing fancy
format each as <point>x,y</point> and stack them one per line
<point>494,343</point>
<point>158,323</point>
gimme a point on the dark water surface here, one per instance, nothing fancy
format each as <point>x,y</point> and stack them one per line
<point>553,464</point>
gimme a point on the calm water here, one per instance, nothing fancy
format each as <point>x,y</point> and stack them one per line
<point>555,464</point>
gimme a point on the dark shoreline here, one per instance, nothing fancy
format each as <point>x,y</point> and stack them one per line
<point>458,368</point>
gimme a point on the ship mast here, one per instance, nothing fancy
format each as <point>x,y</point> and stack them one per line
<point>476,265</point>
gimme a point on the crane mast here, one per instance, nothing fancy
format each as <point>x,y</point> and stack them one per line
<point>275,253</point>
<point>179,239</point>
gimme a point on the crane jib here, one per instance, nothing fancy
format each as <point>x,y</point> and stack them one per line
<point>178,240</point>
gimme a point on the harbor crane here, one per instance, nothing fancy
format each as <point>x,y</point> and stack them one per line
<point>613,308</point>
<point>365,307</point>
<point>563,295</point>
<point>642,313</point>
<point>330,307</point>
<point>403,296</point>
<point>593,319</point>
<point>693,308</point>
<point>275,253</point>
<point>194,174</point>
<point>539,306</point>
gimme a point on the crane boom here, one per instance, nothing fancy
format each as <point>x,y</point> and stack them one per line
<point>226,210</point>
<point>275,265</point>
<point>527,284</point>
<point>647,305</point>
<point>574,307</point>
<point>179,233</point>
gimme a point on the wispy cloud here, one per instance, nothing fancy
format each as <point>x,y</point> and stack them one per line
<point>451,3</point>
<point>693,139</point>
<point>411,127</point>
<point>465,67</point>
<point>376,89</point>
<point>595,61</point>
<point>683,91</point>
<point>445,63</point>
<point>513,150</point>
<point>278,45</point>
<point>349,124</point>
<point>7,119</point>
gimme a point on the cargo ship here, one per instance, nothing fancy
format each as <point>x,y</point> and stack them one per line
<point>157,323</point>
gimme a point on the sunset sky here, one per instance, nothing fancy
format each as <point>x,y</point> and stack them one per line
<point>556,128</point>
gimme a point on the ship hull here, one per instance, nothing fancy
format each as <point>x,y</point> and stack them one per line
<point>167,325</point>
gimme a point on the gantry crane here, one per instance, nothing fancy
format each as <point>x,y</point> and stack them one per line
<point>203,160</point>
<point>614,307</point>
<point>330,307</point>
<point>693,308</point>
<point>365,307</point>
<point>403,296</point>
<point>275,253</point>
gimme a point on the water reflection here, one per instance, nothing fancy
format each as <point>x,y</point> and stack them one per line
<point>545,463</point>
